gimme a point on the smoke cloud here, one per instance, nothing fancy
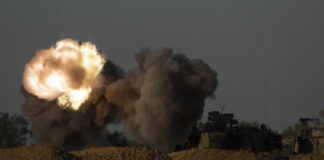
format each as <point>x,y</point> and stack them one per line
<point>157,103</point>
<point>69,129</point>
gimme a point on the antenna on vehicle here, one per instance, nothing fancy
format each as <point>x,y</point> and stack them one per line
<point>265,102</point>
<point>223,109</point>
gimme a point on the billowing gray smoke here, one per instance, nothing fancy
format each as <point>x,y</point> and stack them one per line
<point>163,98</point>
<point>157,103</point>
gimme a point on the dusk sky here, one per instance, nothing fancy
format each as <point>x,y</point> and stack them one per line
<point>249,43</point>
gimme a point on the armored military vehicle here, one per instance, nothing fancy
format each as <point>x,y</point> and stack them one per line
<point>222,132</point>
<point>308,140</point>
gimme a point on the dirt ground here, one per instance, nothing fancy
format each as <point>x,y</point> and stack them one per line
<point>121,153</point>
<point>35,152</point>
<point>42,152</point>
<point>307,157</point>
<point>212,154</point>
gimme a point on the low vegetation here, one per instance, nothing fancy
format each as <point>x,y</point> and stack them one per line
<point>291,131</point>
<point>14,131</point>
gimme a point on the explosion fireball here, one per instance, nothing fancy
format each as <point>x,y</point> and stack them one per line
<point>157,102</point>
<point>67,72</point>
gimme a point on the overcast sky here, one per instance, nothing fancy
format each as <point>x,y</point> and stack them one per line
<point>247,42</point>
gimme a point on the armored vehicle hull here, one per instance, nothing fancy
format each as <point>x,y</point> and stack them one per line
<point>222,132</point>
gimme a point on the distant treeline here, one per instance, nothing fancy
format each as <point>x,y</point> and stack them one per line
<point>15,131</point>
<point>291,131</point>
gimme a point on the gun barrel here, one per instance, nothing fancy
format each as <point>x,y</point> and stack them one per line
<point>304,119</point>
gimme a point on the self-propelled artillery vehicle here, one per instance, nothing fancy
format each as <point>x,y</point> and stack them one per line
<point>309,139</point>
<point>222,132</point>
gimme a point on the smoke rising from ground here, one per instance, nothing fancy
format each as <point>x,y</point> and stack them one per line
<point>164,97</point>
<point>157,103</point>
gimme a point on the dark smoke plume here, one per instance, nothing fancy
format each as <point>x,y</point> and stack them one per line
<point>157,102</point>
<point>163,98</point>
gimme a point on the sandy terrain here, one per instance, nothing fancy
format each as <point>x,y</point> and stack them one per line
<point>43,152</point>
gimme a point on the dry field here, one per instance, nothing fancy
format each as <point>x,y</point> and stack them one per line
<point>42,152</point>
